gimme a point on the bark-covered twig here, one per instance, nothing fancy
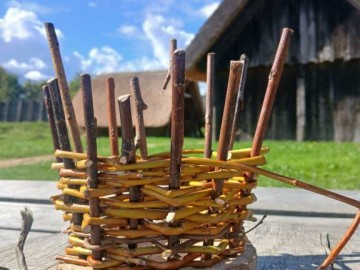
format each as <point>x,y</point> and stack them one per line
<point>92,179</point>
<point>128,150</point>
<point>240,97</point>
<point>177,127</point>
<point>273,83</point>
<point>51,120</point>
<point>173,46</point>
<point>64,88</point>
<point>140,137</point>
<point>210,79</point>
<point>27,220</point>
<point>113,130</point>
<point>227,120</point>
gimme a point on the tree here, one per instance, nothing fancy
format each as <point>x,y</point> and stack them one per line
<point>33,90</point>
<point>10,89</point>
<point>74,85</point>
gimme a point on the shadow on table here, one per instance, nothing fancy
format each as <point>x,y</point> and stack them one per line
<point>307,262</point>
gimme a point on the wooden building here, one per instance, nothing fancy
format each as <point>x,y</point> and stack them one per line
<point>319,93</point>
<point>158,114</point>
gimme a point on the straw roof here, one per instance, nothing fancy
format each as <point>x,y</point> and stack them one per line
<point>158,101</point>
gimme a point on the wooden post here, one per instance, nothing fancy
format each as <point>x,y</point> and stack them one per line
<point>177,127</point>
<point>51,120</point>
<point>60,120</point>
<point>63,138</point>
<point>64,88</point>
<point>300,107</point>
<point>140,138</point>
<point>210,77</point>
<point>273,83</point>
<point>240,97</point>
<point>173,46</point>
<point>113,130</point>
<point>91,164</point>
<point>227,120</point>
<point>128,149</point>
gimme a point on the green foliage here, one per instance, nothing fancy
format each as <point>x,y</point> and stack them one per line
<point>33,90</point>
<point>74,85</point>
<point>10,89</point>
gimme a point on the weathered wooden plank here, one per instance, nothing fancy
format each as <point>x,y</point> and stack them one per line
<point>296,246</point>
<point>281,243</point>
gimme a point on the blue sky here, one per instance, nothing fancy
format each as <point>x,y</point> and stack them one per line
<point>96,36</point>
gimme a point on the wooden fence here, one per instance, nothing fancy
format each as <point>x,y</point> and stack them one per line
<point>22,111</point>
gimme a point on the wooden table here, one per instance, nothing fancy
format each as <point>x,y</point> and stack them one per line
<point>295,235</point>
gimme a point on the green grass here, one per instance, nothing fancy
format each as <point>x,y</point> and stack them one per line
<point>326,164</point>
<point>25,139</point>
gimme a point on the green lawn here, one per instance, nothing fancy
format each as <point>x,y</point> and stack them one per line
<point>326,164</point>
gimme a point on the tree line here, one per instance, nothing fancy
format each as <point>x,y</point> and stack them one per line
<point>11,89</point>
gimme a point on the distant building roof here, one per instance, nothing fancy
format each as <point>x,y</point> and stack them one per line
<point>157,100</point>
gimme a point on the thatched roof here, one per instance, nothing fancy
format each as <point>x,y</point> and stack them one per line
<point>238,14</point>
<point>158,101</point>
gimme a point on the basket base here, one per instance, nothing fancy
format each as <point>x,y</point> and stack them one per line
<point>245,261</point>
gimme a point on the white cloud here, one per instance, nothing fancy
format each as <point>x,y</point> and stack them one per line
<point>23,45</point>
<point>35,75</point>
<point>100,60</point>
<point>32,63</point>
<point>207,10</point>
<point>159,31</point>
<point>92,4</point>
<point>127,29</point>
<point>18,24</point>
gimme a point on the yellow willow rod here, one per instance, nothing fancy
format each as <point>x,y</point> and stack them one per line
<point>209,230</point>
<point>102,221</point>
<point>300,184</point>
<point>136,182</point>
<point>102,264</point>
<point>77,251</point>
<point>211,218</point>
<point>139,213</point>
<point>74,155</point>
<point>131,233</point>
<point>166,230</point>
<point>208,249</point>
<point>135,205</point>
<point>74,192</point>
<point>176,202</point>
<point>187,211</point>
<point>74,208</point>
<point>174,192</point>
<point>94,192</point>
<point>242,201</point>
<point>244,153</point>
<point>73,181</point>
<point>130,253</point>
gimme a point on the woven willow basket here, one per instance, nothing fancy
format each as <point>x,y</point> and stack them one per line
<point>207,229</point>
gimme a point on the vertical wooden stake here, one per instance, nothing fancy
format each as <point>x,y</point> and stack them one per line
<point>92,178</point>
<point>51,119</point>
<point>63,139</point>
<point>227,120</point>
<point>113,131</point>
<point>59,118</point>
<point>128,149</point>
<point>210,78</point>
<point>64,89</point>
<point>177,127</point>
<point>240,97</point>
<point>140,138</point>
<point>273,83</point>
<point>173,46</point>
